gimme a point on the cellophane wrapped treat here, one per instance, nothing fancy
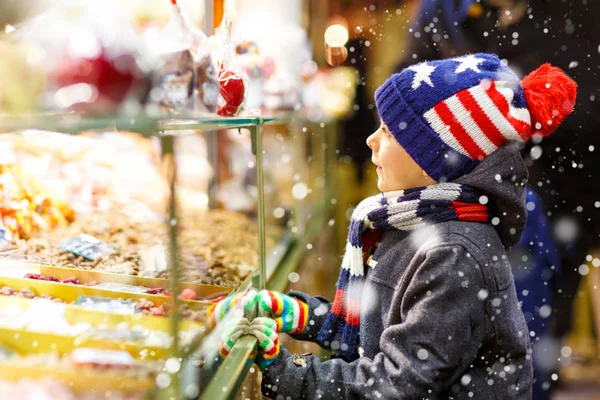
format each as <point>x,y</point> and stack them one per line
<point>186,74</point>
<point>232,85</point>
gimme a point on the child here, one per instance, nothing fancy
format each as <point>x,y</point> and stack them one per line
<point>426,306</point>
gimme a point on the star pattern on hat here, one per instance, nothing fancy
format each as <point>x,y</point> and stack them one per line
<point>423,73</point>
<point>468,62</point>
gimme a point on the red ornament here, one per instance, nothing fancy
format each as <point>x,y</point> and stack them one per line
<point>550,96</point>
<point>231,93</point>
<point>112,78</point>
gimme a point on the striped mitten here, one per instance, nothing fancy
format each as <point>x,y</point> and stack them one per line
<point>290,313</point>
<point>265,331</point>
<point>231,335</point>
<point>246,302</point>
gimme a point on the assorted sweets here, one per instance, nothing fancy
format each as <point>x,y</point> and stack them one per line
<point>123,305</point>
<point>35,318</point>
<point>26,208</point>
<point>217,247</point>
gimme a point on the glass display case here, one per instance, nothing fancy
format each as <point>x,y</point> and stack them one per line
<point>109,221</point>
<point>139,185</point>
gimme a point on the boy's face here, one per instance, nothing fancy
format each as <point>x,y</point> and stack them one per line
<point>396,170</point>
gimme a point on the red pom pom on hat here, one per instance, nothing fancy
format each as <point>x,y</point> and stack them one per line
<point>550,96</point>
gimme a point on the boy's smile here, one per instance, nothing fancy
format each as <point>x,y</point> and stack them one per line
<point>396,170</point>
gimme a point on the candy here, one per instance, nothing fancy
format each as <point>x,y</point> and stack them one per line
<point>188,294</point>
<point>231,93</point>
<point>155,291</point>
<point>72,280</point>
<point>25,208</point>
<point>177,79</point>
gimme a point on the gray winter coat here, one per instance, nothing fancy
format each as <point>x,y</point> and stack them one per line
<point>439,312</point>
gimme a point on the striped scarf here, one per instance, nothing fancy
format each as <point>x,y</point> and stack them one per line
<point>403,210</point>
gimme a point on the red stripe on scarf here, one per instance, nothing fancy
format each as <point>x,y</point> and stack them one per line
<point>470,212</point>
<point>353,316</point>
<point>338,303</point>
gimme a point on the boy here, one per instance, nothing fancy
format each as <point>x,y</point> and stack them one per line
<point>426,306</point>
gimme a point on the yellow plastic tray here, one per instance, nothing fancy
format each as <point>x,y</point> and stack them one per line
<point>27,342</point>
<point>70,293</point>
<point>80,380</point>
<point>86,276</point>
<point>75,314</point>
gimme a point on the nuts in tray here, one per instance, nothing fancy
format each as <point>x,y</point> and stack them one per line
<point>217,247</point>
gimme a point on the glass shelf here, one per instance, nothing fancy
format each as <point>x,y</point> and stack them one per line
<point>140,123</point>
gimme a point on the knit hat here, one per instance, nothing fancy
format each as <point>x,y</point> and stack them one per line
<point>451,114</point>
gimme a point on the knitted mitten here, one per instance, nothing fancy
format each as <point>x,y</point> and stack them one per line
<point>290,313</point>
<point>265,331</point>
<point>231,334</point>
<point>246,302</point>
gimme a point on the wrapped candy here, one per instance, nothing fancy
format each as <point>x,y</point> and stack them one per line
<point>232,88</point>
<point>177,81</point>
<point>231,93</point>
<point>25,208</point>
<point>186,71</point>
<point>93,60</point>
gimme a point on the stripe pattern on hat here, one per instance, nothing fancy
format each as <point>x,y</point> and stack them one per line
<point>478,120</point>
<point>451,114</point>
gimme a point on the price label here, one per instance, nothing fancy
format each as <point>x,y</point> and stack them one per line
<point>87,247</point>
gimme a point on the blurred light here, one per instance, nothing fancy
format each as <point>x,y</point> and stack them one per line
<point>172,365</point>
<point>293,277</point>
<point>300,191</point>
<point>68,96</point>
<point>337,19</point>
<point>335,55</point>
<point>279,212</point>
<point>336,36</point>
<point>9,28</point>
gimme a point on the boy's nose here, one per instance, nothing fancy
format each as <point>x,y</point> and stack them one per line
<point>372,140</point>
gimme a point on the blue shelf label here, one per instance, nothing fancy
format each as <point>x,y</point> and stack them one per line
<point>87,247</point>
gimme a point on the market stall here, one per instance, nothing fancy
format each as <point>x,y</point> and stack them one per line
<point>145,176</point>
